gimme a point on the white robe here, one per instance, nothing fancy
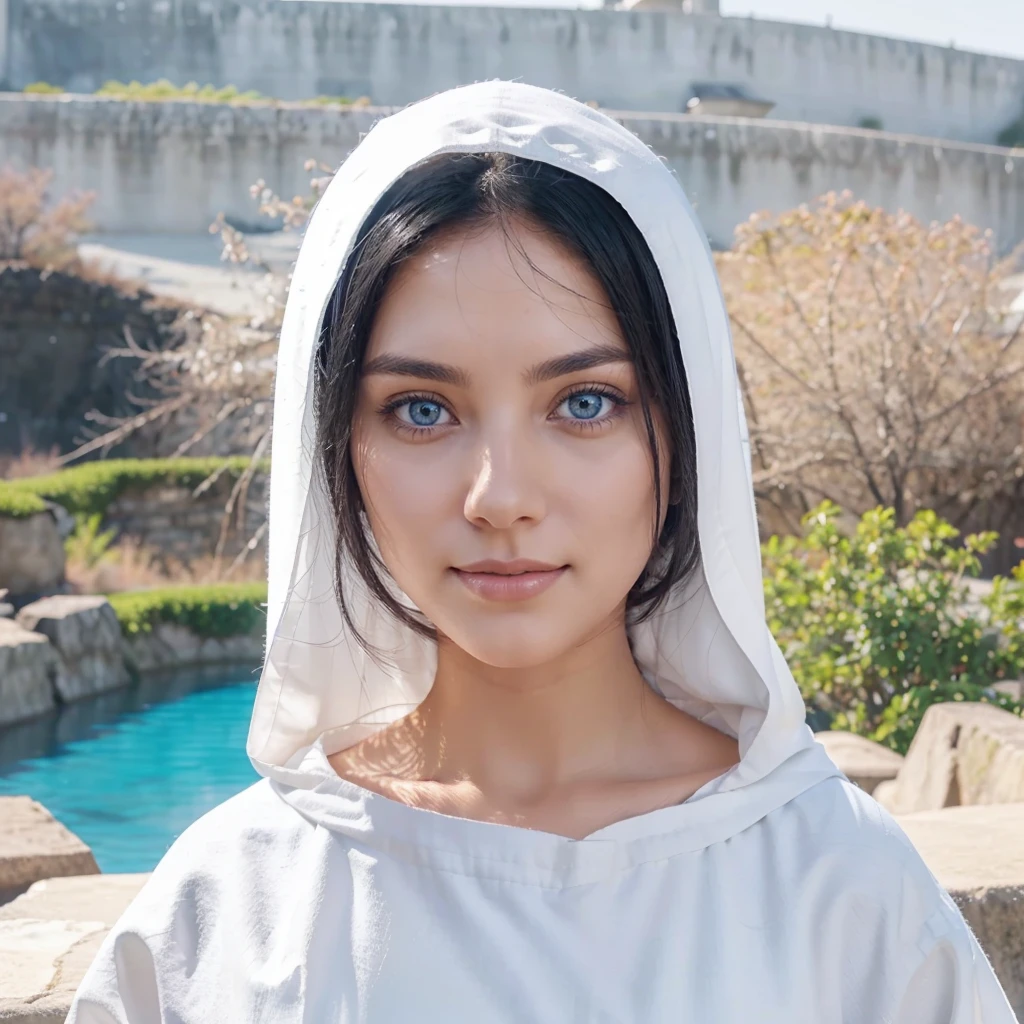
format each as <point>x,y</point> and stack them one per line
<point>778,893</point>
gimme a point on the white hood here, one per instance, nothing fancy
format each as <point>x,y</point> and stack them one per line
<point>712,656</point>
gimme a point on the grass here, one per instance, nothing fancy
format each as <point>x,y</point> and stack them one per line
<point>215,610</point>
<point>90,487</point>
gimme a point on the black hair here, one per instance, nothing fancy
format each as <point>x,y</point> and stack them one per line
<point>462,190</point>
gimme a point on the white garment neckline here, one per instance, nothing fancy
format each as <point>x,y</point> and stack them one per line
<point>514,853</point>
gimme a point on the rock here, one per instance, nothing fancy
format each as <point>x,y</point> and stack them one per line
<point>34,845</point>
<point>50,936</point>
<point>864,762</point>
<point>977,853</point>
<point>1012,688</point>
<point>885,794</point>
<point>31,554</point>
<point>66,524</point>
<point>31,672</point>
<point>86,633</point>
<point>962,753</point>
<point>169,645</point>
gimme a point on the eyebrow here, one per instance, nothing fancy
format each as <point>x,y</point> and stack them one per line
<point>443,373</point>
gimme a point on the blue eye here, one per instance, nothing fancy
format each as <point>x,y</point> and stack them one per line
<point>424,413</point>
<point>586,406</point>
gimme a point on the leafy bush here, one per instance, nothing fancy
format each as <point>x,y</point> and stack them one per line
<point>1012,136</point>
<point>90,487</point>
<point>874,625</point>
<point>17,504</point>
<point>166,90</point>
<point>31,227</point>
<point>219,610</point>
<point>43,88</point>
<point>89,545</point>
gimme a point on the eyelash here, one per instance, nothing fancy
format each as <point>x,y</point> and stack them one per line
<point>619,403</point>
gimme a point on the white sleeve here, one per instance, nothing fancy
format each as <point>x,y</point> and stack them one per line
<point>951,981</point>
<point>120,986</point>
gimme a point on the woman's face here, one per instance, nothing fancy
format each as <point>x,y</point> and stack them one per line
<point>498,419</point>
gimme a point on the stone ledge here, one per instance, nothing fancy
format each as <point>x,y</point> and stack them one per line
<point>977,854</point>
<point>34,845</point>
<point>31,672</point>
<point>864,762</point>
<point>48,938</point>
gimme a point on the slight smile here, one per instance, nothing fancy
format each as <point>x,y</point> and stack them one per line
<point>509,581</point>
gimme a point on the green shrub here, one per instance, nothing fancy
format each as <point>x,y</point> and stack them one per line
<point>90,487</point>
<point>17,504</point>
<point>1012,136</point>
<point>89,545</point>
<point>874,627</point>
<point>217,610</point>
<point>167,90</point>
<point>43,88</point>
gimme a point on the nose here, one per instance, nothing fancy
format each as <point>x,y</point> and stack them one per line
<point>506,484</point>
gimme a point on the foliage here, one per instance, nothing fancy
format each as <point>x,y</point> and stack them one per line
<point>89,545</point>
<point>871,123</point>
<point>164,89</point>
<point>880,364</point>
<point>90,487</point>
<point>218,610</point>
<point>1006,606</point>
<point>873,623</point>
<point>34,230</point>
<point>43,88</point>
<point>16,504</point>
<point>1012,136</point>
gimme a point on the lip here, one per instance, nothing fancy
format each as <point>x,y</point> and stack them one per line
<point>517,580</point>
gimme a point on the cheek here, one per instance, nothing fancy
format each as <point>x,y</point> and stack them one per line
<point>404,493</point>
<point>610,500</point>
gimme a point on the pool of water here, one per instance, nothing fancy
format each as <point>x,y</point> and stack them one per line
<point>128,771</point>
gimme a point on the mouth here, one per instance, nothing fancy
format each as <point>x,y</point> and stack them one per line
<point>509,581</point>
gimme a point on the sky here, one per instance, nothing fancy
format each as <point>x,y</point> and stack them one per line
<point>989,26</point>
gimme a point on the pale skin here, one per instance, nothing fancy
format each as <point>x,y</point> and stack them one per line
<point>538,716</point>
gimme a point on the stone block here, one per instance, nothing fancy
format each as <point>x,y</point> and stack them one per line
<point>170,645</point>
<point>34,845</point>
<point>31,672</point>
<point>31,554</point>
<point>864,762</point>
<point>1012,688</point>
<point>963,753</point>
<point>977,854</point>
<point>49,937</point>
<point>86,633</point>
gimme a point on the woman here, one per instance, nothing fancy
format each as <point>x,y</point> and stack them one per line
<point>530,751</point>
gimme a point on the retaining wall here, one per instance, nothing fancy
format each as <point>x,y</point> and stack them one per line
<point>171,167</point>
<point>396,53</point>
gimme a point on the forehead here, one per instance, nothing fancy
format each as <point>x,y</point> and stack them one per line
<point>494,295</point>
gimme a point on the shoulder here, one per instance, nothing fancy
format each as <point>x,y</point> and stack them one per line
<point>869,860</point>
<point>230,856</point>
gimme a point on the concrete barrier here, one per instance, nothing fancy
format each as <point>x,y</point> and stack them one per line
<point>172,166</point>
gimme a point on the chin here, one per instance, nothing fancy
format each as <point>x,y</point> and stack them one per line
<point>527,642</point>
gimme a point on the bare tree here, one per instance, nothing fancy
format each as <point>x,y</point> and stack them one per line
<point>880,363</point>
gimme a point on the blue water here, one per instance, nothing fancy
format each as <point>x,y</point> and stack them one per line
<point>128,771</point>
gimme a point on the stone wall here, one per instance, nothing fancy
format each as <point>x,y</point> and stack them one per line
<point>180,527</point>
<point>171,167</point>
<point>631,60</point>
<point>54,331</point>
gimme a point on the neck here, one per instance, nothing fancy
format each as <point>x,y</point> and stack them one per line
<point>525,732</point>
